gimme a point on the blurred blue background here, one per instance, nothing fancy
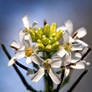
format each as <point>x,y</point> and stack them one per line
<point>11,13</point>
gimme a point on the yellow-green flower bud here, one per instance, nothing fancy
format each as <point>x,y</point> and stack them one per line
<point>52,28</point>
<point>32,33</point>
<point>39,41</point>
<point>52,39</point>
<point>45,40</point>
<point>47,30</point>
<point>59,35</point>
<point>39,33</point>
<point>49,42</point>
<point>48,48</point>
<point>55,45</point>
<point>41,47</point>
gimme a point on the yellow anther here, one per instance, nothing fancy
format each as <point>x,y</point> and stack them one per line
<point>67,47</point>
<point>28,51</point>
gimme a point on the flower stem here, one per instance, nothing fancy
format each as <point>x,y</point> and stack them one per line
<point>77,81</point>
<point>18,71</point>
<point>59,85</point>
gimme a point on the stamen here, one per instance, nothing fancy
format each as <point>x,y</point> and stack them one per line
<point>28,52</point>
<point>45,22</point>
<point>14,47</point>
<point>63,67</point>
<point>74,34</point>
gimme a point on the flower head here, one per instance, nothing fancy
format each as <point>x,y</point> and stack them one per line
<point>23,49</point>
<point>71,42</point>
<point>47,65</point>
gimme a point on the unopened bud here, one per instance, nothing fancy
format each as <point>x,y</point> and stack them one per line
<point>32,33</point>
<point>41,46</point>
<point>59,35</point>
<point>47,30</point>
<point>45,40</point>
<point>53,28</point>
<point>48,48</point>
<point>39,33</point>
<point>55,45</point>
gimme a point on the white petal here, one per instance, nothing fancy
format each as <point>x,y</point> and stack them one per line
<point>12,61</point>
<point>21,37</point>
<point>67,60</point>
<point>37,76</point>
<point>28,37</point>
<point>79,65</point>
<point>76,57</point>
<point>15,45</point>
<point>69,26</point>
<point>71,40</point>
<point>61,28</point>
<point>56,62</point>
<point>81,32</point>
<point>66,37</point>
<point>76,47</point>
<point>27,40</point>
<point>34,25</point>
<point>20,54</point>
<point>82,43</point>
<point>54,77</point>
<point>36,59</point>
<point>34,48</point>
<point>85,62</point>
<point>67,71</point>
<point>28,60</point>
<point>61,52</point>
<point>26,22</point>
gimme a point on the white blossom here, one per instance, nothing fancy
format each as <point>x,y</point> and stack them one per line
<point>23,49</point>
<point>48,65</point>
<point>74,63</point>
<point>71,42</point>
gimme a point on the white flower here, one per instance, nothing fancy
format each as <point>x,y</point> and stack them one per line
<point>74,63</point>
<point>23,49</point>
<point>71,42</point>
<point>48,65</point>
<point>26,22</point>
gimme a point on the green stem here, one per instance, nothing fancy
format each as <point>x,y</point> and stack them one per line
<point>29,87</point>
<point>47,80</point>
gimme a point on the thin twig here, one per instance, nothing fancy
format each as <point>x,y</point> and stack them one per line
<point>83,57</point>
<point>59,85</point>
<point>18,71</point>
<point>22,66</point>
<point>77,81</point>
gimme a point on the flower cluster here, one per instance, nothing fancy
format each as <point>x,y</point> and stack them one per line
<point>60,48</point>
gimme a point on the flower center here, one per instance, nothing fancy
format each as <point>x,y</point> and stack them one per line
<point>67,47</point>
<point>47,65</point>
<point>28,52</point>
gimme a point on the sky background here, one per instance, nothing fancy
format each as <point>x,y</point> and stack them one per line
<point>59,11</point>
